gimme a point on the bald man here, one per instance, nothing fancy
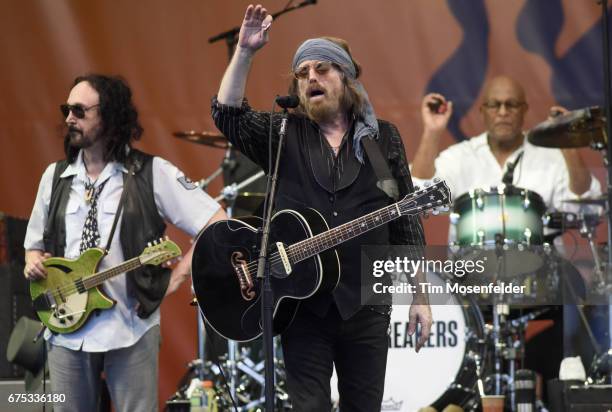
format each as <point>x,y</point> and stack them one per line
<point>480,162</point>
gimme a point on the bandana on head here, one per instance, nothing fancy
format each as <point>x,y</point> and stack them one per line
<point>326,50</point>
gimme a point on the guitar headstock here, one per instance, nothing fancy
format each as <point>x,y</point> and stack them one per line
<point>159,251</point>
<point>433,198</point>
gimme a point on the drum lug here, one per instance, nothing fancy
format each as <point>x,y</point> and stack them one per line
<point>479,202</point>
<point>454,218</point>
<point>526,202</point>
<point>527,233</point>
<point>481,237</point>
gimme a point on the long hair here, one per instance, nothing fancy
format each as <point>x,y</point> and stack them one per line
<point>353,99</point>
<point>120,126</point>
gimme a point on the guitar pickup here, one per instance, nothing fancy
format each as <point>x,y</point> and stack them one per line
<point>284,258</point>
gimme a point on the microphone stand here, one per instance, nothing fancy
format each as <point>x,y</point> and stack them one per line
<point>263,273</point>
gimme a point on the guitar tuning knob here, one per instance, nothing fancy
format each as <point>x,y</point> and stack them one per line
<point>149,244</point>
<point>427,184</point>
<point>436,180</point>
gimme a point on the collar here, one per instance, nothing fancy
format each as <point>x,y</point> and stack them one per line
<point>77,168</point>
<point>481,142</point>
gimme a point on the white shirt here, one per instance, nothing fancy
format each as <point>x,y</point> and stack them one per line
<point>471,165</point>
<point>178,202</point>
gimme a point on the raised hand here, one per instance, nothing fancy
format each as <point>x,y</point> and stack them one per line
<point>435,122</point>
<point>254,31</point>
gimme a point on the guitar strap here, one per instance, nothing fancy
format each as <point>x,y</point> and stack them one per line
<point>386,182</point>
<point>126,185</point>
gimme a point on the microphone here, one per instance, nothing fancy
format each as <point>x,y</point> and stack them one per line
<point>509,175</point>
<point>288,102</point>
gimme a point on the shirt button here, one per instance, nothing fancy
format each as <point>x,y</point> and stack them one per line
<point>335,213</point>
<point>331,199</point>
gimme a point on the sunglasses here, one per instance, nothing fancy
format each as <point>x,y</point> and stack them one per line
<point>78,110</point>
<point>321,68</point>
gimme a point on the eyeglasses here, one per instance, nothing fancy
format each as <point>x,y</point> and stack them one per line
<point>78,110</point>
<point>510,105</point>
<point>321,68</point>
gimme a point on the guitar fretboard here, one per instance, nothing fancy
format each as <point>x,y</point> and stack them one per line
<point>317,244</point>
<point>98,278</point>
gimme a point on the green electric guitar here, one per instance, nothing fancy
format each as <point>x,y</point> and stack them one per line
<point>66,298</point>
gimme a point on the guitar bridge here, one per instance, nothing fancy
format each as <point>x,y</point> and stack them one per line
<point>245,279</point>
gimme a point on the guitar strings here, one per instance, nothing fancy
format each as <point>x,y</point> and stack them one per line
<point>342,229</point>
<point>275,258</point>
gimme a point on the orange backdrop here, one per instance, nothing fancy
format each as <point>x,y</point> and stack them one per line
<point>161,48</point>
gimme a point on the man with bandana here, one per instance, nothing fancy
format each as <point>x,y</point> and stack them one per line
<point>325,166</point>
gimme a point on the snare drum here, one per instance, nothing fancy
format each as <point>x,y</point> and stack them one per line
<point>505,217</point>
<point>444,370</point>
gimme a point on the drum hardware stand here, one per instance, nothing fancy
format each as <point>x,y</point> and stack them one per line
<point>228,163</point>
<point>608,133</point>
<point>587,231</point>
<point>230,192</point>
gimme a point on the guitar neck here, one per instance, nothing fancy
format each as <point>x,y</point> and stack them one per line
<point>97,279</point>
<point>333,237</point>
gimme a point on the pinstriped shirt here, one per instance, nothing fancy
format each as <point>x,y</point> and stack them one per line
<point>248,131</point>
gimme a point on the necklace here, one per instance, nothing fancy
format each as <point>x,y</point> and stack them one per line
<point>90,190</point>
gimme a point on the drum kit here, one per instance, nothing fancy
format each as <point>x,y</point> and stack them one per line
<point>468,357</point>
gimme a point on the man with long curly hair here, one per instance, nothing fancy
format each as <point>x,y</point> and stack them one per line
<point>75,208</point>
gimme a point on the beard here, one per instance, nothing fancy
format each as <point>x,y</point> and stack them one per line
<point>322,110</point>
<point>78,139</point>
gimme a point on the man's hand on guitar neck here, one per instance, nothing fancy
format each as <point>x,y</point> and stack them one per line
<point>181,272</point>
<point>34,268</point>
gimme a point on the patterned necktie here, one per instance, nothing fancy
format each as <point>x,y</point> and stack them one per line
<point>91,235</point>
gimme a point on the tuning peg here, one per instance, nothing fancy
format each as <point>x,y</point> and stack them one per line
<point>437,180</point>
<point>427,184</point>
<point>149,244</point>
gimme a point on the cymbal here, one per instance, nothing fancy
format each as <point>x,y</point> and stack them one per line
<point>578,128</point>
<point>212,139</point>
<point>596,201</point>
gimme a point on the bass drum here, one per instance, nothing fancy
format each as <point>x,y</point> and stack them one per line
<point>444,370</point>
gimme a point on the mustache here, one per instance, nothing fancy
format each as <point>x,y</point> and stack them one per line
<point>72,129</point>
<point>315,89</point>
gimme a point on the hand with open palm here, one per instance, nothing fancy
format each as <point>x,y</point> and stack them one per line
<point>254,30</point>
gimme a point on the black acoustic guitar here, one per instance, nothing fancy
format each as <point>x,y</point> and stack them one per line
<point>302,261</point>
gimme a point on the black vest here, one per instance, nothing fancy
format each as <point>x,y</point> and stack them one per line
<point>140,224</point>
<point>304,182</point>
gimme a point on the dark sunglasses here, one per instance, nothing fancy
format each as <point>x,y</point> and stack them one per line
<point>320,67</point>
<point>77,110</point>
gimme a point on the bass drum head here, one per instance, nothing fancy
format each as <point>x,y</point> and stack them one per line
<point>442,372</point>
